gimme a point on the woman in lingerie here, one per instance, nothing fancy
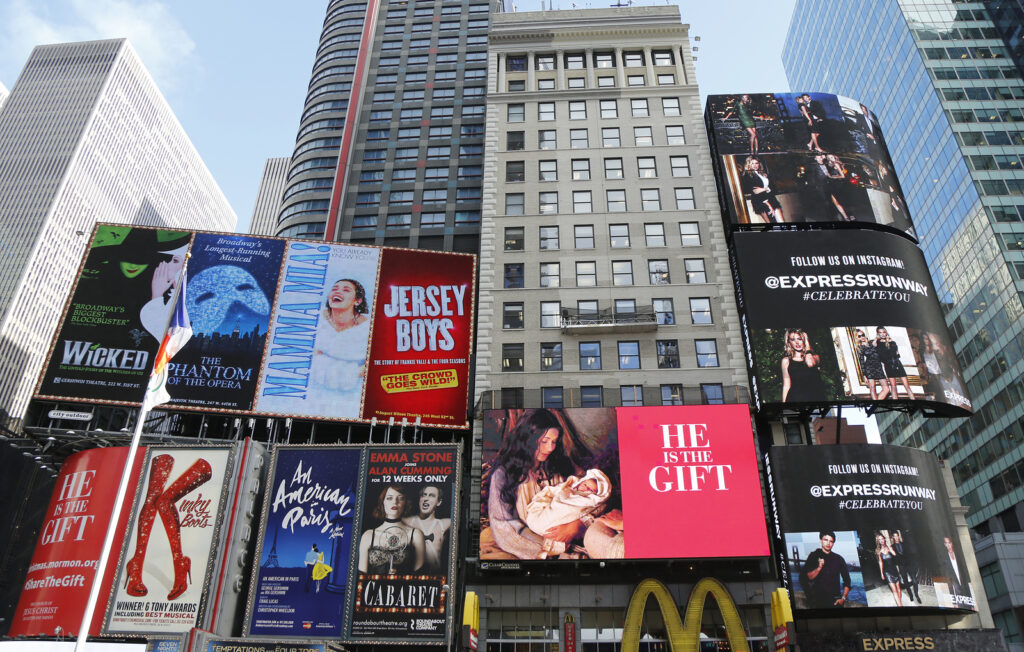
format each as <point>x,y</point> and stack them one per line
<point>758,187</point>
<point>801,375</point>
<point>391,548</point>
<point>889,354</point>
<point>871,365</point>
<point>888,568</point>
<point>744,110</point>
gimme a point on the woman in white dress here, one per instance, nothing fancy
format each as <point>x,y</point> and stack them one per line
<point>339,363</point>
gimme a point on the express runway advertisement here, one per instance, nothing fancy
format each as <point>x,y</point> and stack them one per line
<point>866,526</point>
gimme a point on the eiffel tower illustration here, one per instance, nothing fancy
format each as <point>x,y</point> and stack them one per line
<point>272,557</point>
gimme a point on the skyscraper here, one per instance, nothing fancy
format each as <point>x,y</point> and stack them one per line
<point>268,196</point>
<point>390,143</point>
<point>3,95</point>
<point>84,136</point>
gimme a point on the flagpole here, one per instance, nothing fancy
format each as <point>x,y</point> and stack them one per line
<point>122,488</point>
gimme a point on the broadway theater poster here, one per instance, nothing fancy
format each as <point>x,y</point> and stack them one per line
<point>168,554</point>
<point>300,582</point>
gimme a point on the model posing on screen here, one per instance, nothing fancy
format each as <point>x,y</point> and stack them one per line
<point>871,365</point>
<point>758,187</point>
<point>801,376</point>
<point>814,112</point>
<point>887,567</point>
<point>889,354</point>
<point>393,547</point>
<point>744,110</point>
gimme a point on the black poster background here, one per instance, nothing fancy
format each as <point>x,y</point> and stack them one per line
<point>864,488</point>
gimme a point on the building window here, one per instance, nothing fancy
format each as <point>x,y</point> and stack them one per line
<point>577,82</point>
<point>663,58</point>
<point>625,307</point>
<point>675,134</point>
<point>622,272</point>
<point>680,166</point>
<point>689,234</point>
<point>609,109</point>
<point>511,357</point>
<point>544,62</point>
<point>583,236</point>
<point>604,60</point>
<point>546,139</point>
<point>551,397</point>
<point>666,79</point>
<point>512,397</point>
<point>579,139</point>
<point>548,202</point>
<point>581,169</point>
<point>657,271</point>
<point>551,356</point>
<point>514,203</point>
<point>610,137</point>
<point>586,274</point>
<point>515,171</point>
<point>549,275</point>
<point>707,353</point>
<point>654,234</point>
<point>616,201</point>
<point>664,312</point>
<point>590,356</point>
<point>638,107</point>
<point>547,170</point>
<point>399,221</point>
<point>618,234</point>
<point>586,307</point>
<point>550,314</point>
<point>545,111</point>
<point>512,315</point>
<point>513,275</point>
<point>713,394</point>
<point>636,80</point>
<point>629,355</point>
<point>605,82</point>
<point>700,310</point>
<point>650,199</point>
<point>515,63</point>
<point>577,110</point>
<point>633,59</point>
<point>646,167</point>
<point>515,85</point>
<point>668,354</point>
<point>670,106</point>
<point>643,136</point>
<point>431,174</point>
<point>590,396</point>
<point>684,199</point>
<point>574,61</point>
<point>516,112</point>
<point>431,220</point>
<point>515,141</point>
<point>514,238</point>
<point>582,202</point>
<point>546,84</point>
<point>671,394</point>
<point>695,270</point>
<point>631,395</point>
<point>549,237</point>
<point>435,195</point>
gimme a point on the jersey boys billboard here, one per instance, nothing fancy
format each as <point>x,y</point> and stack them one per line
<point>567,483</point>
<point>290,328</point>
<point>844,316</point>
<point>866,526</point>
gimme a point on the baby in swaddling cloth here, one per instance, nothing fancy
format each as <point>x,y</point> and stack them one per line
<point>576,499</point>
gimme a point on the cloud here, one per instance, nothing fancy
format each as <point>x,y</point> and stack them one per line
<point>157,35</point>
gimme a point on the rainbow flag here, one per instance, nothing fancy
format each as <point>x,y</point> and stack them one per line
<point>179,330</point>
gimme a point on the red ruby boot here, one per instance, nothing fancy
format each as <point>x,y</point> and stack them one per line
<point>194,476</point>
<point>159,470</point>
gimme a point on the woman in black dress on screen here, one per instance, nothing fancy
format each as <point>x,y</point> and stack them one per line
<point>889,354</point>
<point>758,187</point>
<point>871,365</point>
<point>814,113</point>
<point>801,375</point>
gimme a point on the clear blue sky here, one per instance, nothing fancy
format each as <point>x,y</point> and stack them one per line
<point>235,73</point>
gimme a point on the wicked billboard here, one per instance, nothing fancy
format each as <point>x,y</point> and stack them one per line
<point>861,525</point>
<point>844,316</point>
<point>288,328</point>
<point>786,158</point>
<point>657,469</point>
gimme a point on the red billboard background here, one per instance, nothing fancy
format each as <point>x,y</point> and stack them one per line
<point>422,338</point>
<point>63,566</point>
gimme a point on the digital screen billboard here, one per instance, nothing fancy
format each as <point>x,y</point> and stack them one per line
<point>862,525</point>
<point>620,483</point>
<point>792,158</point>
<point>844,316</point>
<point>282,328</point>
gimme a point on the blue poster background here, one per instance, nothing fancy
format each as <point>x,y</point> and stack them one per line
<point>311,502</point>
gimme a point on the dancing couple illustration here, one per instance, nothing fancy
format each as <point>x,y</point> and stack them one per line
<point>161,500</point>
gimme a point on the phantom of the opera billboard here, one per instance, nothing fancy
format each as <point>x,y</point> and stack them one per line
<point>792,158</point>
<point>861,525</point>
<point>287,328</point>
<point>620,483</point>
<point>844,317</point>
<point>358,543</point>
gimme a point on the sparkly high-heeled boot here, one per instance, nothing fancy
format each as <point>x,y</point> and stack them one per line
<point>193,477</point>
<point>160,469</point>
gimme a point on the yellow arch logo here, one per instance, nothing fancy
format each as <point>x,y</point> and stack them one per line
<point>683,636</point>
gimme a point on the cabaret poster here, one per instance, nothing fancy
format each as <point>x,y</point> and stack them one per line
<point>231,284</point>
<point>406,544</point>
<point>117,314</point>
<point>299,586</point>
<point>170,547</point>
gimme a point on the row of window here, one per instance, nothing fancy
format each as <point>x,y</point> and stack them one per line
<point>435,219</point>
<point>429,196</point>
<point>995,162</point>
<point>415,153</point>
<point>424,43</point>
<point>621,273</point>
<point>646,168</point>
<point>628,355</point>
<point>965,52</point>
<point>593,396</point>
<point>428,25</point>
<point>1001,186</point>
<point>618,236</point>
<point>984,93</point>
<point>979,72</point>
<point>436,94</point>
<point>514,315</point>
<point>470,130</point>
<point>437,76</point>
<point>981,138</point>
<point>986,115</point>
<point>578,60</point>
<point>583,201</point>
<point>452,10</point>
<point>603,81</point>
<point>610,137</point>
